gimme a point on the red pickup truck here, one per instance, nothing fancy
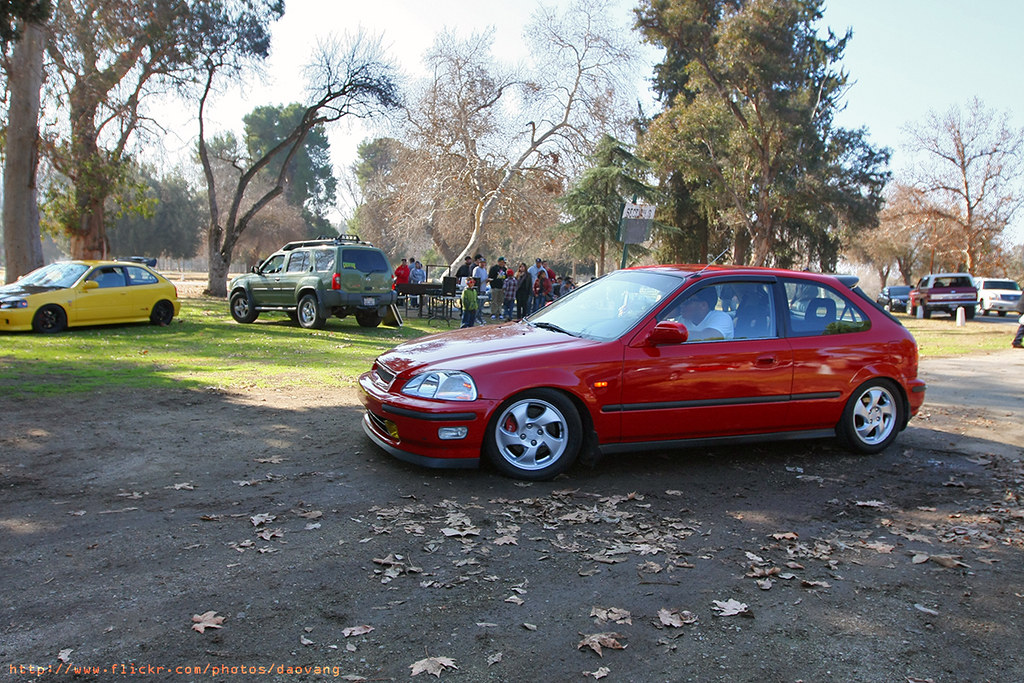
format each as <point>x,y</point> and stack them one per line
<point>944,292</point>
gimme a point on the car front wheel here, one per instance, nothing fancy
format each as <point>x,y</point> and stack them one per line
<point>872,417</point>
<point>163,313</point>
<point>310,316</point>
<point>242,309</point>
<point>50,320</point>
<point>535,435</point>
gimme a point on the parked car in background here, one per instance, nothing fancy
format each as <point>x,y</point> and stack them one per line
<point>943,292</point>
<point>74,293</point>
<point>894,298</point>
<point>314,279</point>
<point>650,358</point>
<point>997,294</point>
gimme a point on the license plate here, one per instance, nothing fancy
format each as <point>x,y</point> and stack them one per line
<point>369,301</point>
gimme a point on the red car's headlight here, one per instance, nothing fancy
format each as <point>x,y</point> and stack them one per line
<point>443,385</point>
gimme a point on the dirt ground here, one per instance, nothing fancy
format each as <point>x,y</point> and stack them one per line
<point>316,556</point>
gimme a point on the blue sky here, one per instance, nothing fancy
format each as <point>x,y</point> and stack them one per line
<point>907,57</point>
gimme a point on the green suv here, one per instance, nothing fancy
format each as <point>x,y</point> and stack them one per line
<point>314,279</point>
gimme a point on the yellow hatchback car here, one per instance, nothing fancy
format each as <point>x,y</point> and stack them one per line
<point>74,293</point>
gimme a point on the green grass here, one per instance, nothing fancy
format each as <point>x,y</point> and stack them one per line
<point>939,337</point>
<point>203,348</point>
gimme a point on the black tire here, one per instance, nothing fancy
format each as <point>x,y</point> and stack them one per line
<point>310,315</point>
<point>242,309</point>
<point>535,435</point>
<point>1002,314</point>
<point>925,313</point>
<point>969,312</point>
<point>368,318</point>
<point>873,417</point>
<point>50,319</point>
<point>162,314</point>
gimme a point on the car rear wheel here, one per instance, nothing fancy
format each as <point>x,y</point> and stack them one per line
<point>535,435</point>
<point>872,417</point>
<point>50,320</point>
<point>368,318</point>
<point>310,316</point>
<point>163,313</point>
<point>242,309</point>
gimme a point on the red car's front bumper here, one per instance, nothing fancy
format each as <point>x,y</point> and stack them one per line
<point>411,429</point>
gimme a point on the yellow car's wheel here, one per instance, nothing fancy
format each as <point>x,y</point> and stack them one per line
<point>163,313</point>
<point>50,319</point>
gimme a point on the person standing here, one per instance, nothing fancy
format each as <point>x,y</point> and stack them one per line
<point>541,290</point>
<point>511,284</point>
<point>524,291</point>
<point>496,278</point>
<point>417,276</point>
<point>402,273</point>
<point>480,277</point>
<point>465,270</point>
<point>533,270</point>
<point>1018,341</point>
<point>469,304</point>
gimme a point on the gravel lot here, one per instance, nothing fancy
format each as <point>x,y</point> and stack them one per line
<point>126,517</point>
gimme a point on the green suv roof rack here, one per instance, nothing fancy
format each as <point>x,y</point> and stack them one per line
<point>324,241</point>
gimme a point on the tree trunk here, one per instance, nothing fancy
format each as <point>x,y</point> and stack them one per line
<point>23,248</point>
<point>218,265</point>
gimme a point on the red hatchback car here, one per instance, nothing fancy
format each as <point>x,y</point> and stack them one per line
<point>655,357</point>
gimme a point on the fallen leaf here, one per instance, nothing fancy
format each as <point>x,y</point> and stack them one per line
<point>870,504</point>
<point>514,599</point>
<point>506,540</point>
<point>603,615</point>
<point>806,583</point>
<point>305,641</point>
<point>65,655</point>
<point>948,561</point>
<point>676,618</point>
<point>356,630</point>
<point>926,610</point>
<point>432,665</point>
<point>730,608</point>
<point>493,659</point>
<point>529,627</point>
<point>206,620</point>
<point>786,536</point>
<point>262,518</point>
<point>600,673</point>
<point>596,641</point>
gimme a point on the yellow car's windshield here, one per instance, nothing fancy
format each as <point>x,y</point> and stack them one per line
<point>63,274</point>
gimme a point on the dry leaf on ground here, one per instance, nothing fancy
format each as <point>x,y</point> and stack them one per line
<point>596,641</point>
<point>730,608</point>
<point>432,665</point>
<point>206,620</point>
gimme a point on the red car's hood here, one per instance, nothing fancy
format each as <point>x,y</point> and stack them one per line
<point>464,349</point>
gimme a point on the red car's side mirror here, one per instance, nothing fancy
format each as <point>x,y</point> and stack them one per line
<point>668,332</point>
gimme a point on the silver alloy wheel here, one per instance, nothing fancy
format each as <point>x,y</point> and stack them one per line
<point>531,434</point>
<point>307,312</point>
<point>240,306</point>
<point>874,415</point>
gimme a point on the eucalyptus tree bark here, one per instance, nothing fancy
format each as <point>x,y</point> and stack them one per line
<point>22,246</point>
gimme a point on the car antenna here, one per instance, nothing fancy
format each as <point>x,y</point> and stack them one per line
<point>711,262</point>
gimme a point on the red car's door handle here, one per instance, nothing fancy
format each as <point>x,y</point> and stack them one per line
<point>765,361</point>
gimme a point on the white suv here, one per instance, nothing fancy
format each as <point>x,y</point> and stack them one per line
<point>997,294</point>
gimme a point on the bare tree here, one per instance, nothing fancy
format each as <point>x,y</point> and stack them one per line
<point>350,79</point>
<point>488,134</point>
<point>971,172</point>
<point>22,247</point>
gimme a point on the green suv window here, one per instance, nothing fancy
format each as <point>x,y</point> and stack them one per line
<point>364,260</point>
